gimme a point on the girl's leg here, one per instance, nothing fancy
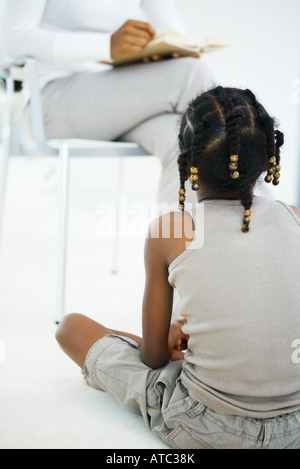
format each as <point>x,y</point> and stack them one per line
<point>76,334</point>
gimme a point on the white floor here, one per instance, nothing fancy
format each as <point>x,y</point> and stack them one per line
<point>44,402</point>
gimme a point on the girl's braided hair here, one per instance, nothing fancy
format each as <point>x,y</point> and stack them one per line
<point>227,128</point>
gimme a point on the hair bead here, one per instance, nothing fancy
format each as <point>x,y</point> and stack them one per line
<point>273,172</point>
<point>181,198</point>
<point>268,178</point>
<point>195,178</point>
<point>234,158</point>
<point>233,166</point>
<point>235,175</point>
<point>246,221</point>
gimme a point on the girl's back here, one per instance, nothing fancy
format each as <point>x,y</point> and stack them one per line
<point>240,295</point>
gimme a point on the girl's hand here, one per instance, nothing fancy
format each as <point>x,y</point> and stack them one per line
<point>177,340</point>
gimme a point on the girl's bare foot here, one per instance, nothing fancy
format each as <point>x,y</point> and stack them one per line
<point>90,382</point>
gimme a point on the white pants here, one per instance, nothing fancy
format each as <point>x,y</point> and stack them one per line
<point>141,103</point>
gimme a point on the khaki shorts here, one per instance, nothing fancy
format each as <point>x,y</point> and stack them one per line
<point>114,364</point>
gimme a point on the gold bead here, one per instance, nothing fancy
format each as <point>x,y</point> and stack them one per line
<point>271,170</point>
<point>194,177</point>
<point>181,207</point>
<point>276,182</point>
<point>247,213</point>
<point>182,198</point>
<point>233,166</point>
<point>276,175</point>
<point>272,160</point>
<point>245,228</point>
<point>194,170</point>
<point>246,219</point>
<point>195,186</point>
<point>182,191</point>
<point>234,158</point>
<point>268,179</point>
<point>235,175</point>
<point>277,168</point>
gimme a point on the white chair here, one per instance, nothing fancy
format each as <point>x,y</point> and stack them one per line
<point>25,69</point>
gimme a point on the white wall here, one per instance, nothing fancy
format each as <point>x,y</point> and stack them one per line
<point>264,55</point>
<point>2,4</point>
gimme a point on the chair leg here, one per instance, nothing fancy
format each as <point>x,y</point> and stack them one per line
<point>63,229</point>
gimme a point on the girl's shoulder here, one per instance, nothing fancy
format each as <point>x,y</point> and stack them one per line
<point>296,210</point>
<point>172,225</point>
<point>173,232</point>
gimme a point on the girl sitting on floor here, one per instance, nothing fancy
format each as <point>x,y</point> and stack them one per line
<point>235,264</point>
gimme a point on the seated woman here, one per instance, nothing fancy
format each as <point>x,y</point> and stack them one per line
<point>235,263</point>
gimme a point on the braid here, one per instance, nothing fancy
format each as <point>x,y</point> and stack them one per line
<point>228,127</point>
<point>233,119</point>
<point>279,141</point>
<point>183,165</point>
<point>274,141</point>
<point>183,159</point>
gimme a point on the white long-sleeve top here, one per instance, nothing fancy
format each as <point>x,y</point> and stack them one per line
<point>67,36</point>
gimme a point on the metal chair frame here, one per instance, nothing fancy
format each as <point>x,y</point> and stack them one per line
<point>25,69</point>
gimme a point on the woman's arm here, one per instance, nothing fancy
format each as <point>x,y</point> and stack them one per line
<point>23,35</point>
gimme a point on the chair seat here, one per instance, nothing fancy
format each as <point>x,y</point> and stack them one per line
<point>78,147</point>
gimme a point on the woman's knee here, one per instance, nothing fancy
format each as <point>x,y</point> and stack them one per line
<point>198,79</point>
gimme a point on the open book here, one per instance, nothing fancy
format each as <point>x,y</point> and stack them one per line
<point>168,41</point>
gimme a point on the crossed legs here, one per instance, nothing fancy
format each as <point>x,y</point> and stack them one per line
<point>77,333</point>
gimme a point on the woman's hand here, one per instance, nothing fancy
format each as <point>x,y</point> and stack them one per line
<point>131,39</point>
<point>156,58</point>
